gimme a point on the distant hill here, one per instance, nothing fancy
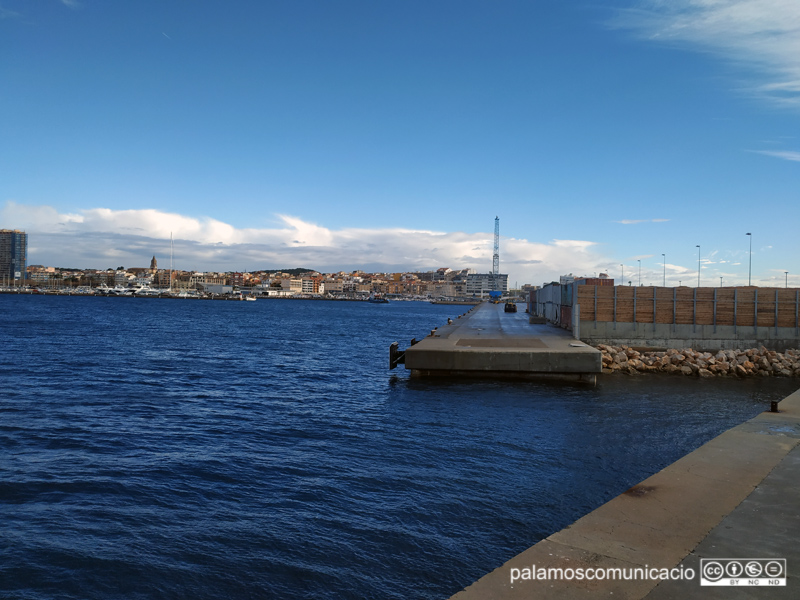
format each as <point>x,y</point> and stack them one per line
<point>295,272</point>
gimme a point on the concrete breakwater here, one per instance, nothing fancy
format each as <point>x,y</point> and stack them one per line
<point>735,497</point>
<point>754,362</point>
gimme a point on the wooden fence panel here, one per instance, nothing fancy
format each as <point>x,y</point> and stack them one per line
<point>705,306</point>
<point>745,313</point>
<point>684,309</point>
<point>643,297</point>
<point>725,307</point>
<point>787,308</point>
<point>605,303</point>
<point>687,306</point>
<point>625,304</point>
<point>586,295</point>
<point>664,312</point>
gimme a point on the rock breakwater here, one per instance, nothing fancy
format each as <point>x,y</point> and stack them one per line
<point>754,362</point>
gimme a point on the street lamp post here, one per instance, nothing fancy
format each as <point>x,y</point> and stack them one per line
<point>622,277</point>
<point>640,271</point>
<point>720,282</point>
<point>750,268</point>
<point>698,265</point>
<point>787,279</point>
<point>664,256</point>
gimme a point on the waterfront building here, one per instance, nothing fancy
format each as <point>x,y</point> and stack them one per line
<point>479,284</point>
<point>121,278</point>
<point>13,257</point>
<point>446,289</point>
<point>333,286</point>
<point>293,285</point>
<point>161,279</point>
<point>41,276</point>
<point>144,280</point>
<point>312,285</point>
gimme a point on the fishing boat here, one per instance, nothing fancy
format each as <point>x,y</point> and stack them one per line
<point>377,299</point>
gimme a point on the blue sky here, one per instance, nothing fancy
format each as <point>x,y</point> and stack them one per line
<point>388,135</point>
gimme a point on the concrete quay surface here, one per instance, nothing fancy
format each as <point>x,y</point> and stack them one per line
<point>488,341</point>
<point>737,496</point>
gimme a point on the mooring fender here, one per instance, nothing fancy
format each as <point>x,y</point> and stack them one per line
<point>395,356</point>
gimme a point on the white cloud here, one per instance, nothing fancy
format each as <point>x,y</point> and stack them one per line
<point>678,269</point>
<point>102,238</point>
<point>637,221</point>
<point>785,155</point>
<point>761,35</point>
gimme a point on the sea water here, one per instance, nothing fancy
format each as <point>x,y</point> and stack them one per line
<point>206,449</point>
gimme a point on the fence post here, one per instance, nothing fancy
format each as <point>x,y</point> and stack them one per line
<point>655,295</point>
<point>755,314</point>
<point>674,308</point>
<point>776,311</point>
<point>715,310</point>
<point>615,307</point>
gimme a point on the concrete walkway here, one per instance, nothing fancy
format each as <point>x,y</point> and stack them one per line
<point>490,342</point>
<point>737,496</point>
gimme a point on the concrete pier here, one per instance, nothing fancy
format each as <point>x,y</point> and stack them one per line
<point>735,497</point>
<point>488,341</point>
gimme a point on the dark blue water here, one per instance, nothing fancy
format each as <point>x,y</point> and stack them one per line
<point>194,449</point>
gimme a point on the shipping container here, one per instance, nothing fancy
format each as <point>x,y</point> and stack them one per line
<point>594,281</point>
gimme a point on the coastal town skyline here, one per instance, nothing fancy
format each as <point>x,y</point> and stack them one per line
<point>361,135</point>
<point>442,283</point>
<point>631,274</point>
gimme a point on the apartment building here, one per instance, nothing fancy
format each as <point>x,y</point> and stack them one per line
<point>13,256</point>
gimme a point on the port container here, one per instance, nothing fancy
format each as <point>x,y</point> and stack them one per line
<point>594,281</point>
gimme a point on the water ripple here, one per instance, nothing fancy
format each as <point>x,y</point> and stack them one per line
<point>153,449</point>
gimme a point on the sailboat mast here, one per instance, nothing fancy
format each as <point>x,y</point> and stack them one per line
<point>171,252</point>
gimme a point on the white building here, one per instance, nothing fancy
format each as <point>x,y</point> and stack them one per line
<point>480,284</point>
